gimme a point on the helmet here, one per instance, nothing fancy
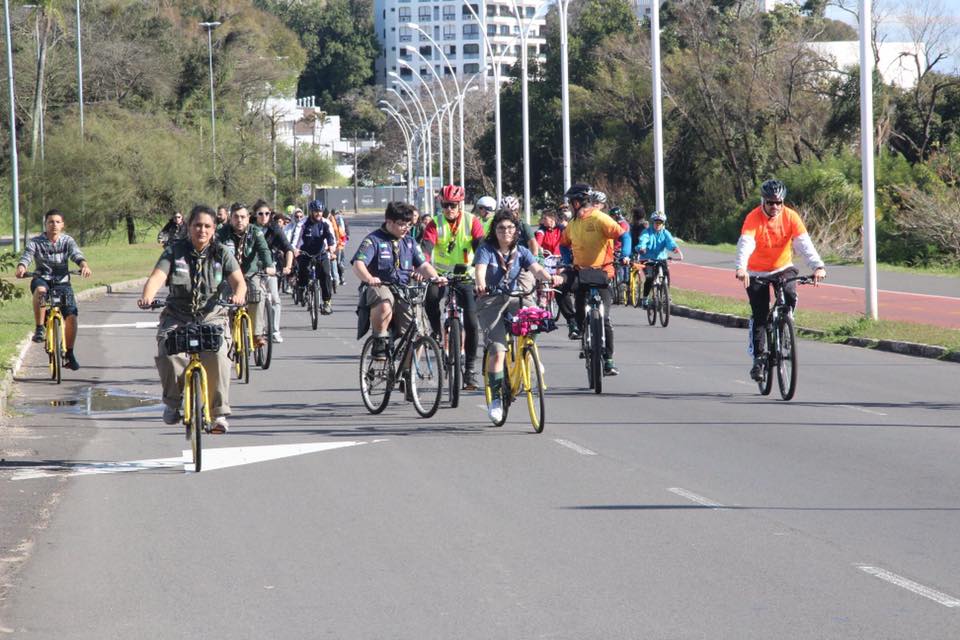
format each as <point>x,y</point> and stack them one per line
<point>452,193</point>
<point>290,209</point>
<point>510,203</point>
<point>616,212</point>
<point>658,216</point>
<point>487,202</point>
<point>578,191</point>
<point>599,197</point>
<point>315,205</point>
<point>773,190</point>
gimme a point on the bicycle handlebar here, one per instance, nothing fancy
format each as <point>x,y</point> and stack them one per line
<point>774,280</point>
<point>46,276</point>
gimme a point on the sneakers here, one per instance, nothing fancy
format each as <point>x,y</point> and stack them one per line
<point>220,425</point>
<point>379,350</point>
<point>71,362</point>
<point>259,342</point>
<point>644,303</point>
<point>495,410</point>
<point>171,415</point>
<point>573,331</point>
<point>327,308</point>
<point>610,369</point>
<point>469,379</point>
<point>38,335</point>
<point>277,337</point>
<point>756,371</point>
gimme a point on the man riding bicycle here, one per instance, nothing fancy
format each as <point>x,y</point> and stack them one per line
<point>389,256</point>
<point>769,235</point>
<point>317,240</point>
<point>590,234</point>
<point>52,250</point>
<point>251,251</point>
<point>283,253</point>
<point>655,244</point>
<point>451,239</point>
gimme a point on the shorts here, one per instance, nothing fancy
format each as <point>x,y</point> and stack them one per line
<point>69,308</point>
<point>402,315</point>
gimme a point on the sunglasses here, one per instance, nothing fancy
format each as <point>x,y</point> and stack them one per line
<point>448,205</point>
<point>263,213</point>
<point>773,203</point>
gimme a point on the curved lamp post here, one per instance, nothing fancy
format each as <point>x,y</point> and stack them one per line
<point>447,104</point>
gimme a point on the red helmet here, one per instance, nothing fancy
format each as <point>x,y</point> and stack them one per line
<point>452,193</point>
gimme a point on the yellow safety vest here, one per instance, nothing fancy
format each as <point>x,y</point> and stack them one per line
<point>453,249</point>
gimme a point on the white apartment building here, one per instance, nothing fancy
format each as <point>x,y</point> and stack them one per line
<point>642,7</point>
<point>461,34</point>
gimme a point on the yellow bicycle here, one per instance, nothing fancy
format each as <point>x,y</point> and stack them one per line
<point>241,332</point>
<point>194,339</point>
<point>54,334</point>
<point>635,285</point>
<point>523,371</point>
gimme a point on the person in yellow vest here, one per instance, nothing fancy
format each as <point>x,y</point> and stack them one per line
<point>450,240</point>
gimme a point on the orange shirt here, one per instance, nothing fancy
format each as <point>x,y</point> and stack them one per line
<point>591,237</point>
<point>773,237</point>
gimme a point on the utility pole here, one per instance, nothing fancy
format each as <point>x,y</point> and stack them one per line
<point>356,179</point>
<point>14,166</point>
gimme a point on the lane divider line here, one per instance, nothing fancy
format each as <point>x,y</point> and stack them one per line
<point>693,497</point>
<point>862,410</point>
<point>914,587</point>
<point>573,446</point>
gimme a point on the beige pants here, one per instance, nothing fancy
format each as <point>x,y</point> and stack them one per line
<point>402,314</point>
<point>171,370</point>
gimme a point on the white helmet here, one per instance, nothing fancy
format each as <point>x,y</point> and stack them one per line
<point>658,216</point>
<point>488,203</point>
<point>599,197</point>
<point>510,203</point>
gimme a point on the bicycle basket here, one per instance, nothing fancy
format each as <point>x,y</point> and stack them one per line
<point>415,294</point>
<point>531,320</point>
<point>194,338</point>
<point>253,294</point>
<point>56,298</point>
<point>550,263</point>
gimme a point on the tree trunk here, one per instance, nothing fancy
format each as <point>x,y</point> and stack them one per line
<point>131,230</point>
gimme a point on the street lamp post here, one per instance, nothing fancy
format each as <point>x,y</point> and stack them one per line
<point>657,107</point>
<point>446,103</point>
<point>866,160</point>
<point>407,143</point>
<point>79,71</point>
<point>14,164</point>
<point>563,6</point>
<point>426,123</point>
<point>209,26</point>
<point>436,108</point>
<point>421,159</point>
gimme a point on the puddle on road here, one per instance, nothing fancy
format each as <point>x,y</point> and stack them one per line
<point>90,400</point>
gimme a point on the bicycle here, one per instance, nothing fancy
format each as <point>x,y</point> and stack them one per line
<point>659,303</point>
<point>635,285</point>
<point>781,340</point>
<point>522,369</point>
<point>593,338</point>
<point>263,353</point>
<point>452,338</point>
<point>310,294</point>
<point>194,338</point>
<point>241,333</point>
<point>621,282</point>
<point>547,298</point>
<point>54,334</point>
<point>414,358</point>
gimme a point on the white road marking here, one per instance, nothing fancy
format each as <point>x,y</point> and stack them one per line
<point>910,585</point>
<point>741,382</point>
<point>861,409</point>
<point>213,458</point>
<point>128,325</point>
<point>575,447</point>
<point>693,497</point>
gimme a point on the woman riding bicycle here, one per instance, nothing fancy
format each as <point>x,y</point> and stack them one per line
<point>499,261</point>
<point>193,270</point>
<point>654,244</point>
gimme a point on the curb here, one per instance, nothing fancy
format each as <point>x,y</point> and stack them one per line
<point>903,348</point>
<point>6,384</point>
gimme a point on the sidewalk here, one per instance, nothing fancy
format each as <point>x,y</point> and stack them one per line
<point>905,297</point>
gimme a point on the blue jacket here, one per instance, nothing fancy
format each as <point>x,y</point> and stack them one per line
<point>655,245</point>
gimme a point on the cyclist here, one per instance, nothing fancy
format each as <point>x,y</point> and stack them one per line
<point>330,215</point>
<point>250,248</point>
<point>193,270</point>
<point>317,239</point>
<point>549,233</point>
<point>655,244</point>
<point>223,216</point>
<point>638,225</point>
<point>770,234</point>
<point>450,239</point>
<point>499,262</point>
<point>590,234</point>
<point>599,199</point>
<point>622,246</point>
<point>52,250</point>
<point>389,256</point>
<point>173,230</point>
<point>295,229</point>
<point>280,248</point>
<point>484,210</point>
<point>344,229</point>
<point>526,237</point>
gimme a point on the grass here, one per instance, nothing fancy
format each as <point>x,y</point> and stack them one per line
<point>112,262</point>
<point>836,326</point>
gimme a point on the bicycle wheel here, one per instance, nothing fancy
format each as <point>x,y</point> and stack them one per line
<point>195,428</point>
<point>56,355</point>
<point>314,304</point>
<point>453,361</point>
<point>426,376</point>
<point>553,306</point>
<point>634,289</point>
<point>376,379</point>
<point>652,305</point>
<point>243,350</point>
<point>786,357</point>
<point>585,342</point>
<point>767,365</point>
<point>490,393</point>
<point>265,353</point>
<point>663,304</point>
<point>596,350</point>
<point>534,386</point>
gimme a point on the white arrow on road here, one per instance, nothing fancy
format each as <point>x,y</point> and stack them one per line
<point>220,458</point>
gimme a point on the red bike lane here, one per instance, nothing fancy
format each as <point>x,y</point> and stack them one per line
<point>941,311</point>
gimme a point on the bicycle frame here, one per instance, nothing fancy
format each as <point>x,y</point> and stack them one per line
<point>195,367</point>
<point>516,366</point>
<point>235,329</point>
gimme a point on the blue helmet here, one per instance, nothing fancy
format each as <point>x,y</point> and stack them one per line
<point>315,205</point>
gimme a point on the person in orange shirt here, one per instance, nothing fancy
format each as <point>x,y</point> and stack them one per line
<point>590,235</point>
<point>770,234</point>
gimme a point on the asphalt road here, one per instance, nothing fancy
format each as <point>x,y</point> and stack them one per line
<point>680,504</point>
